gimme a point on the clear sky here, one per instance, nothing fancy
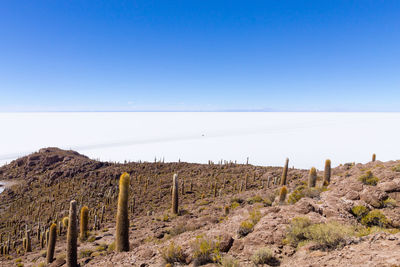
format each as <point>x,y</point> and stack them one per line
<point>200,55</point>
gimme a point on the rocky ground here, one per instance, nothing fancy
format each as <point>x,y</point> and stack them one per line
<point>216,200</point>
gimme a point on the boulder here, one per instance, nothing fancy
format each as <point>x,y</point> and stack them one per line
<point>373,196</point>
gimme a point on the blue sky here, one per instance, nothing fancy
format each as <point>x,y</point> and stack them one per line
<point>200,55</point>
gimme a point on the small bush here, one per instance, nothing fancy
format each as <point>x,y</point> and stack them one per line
<point>359,211</point>
<point>390,203</point>
<point>368,179</point>
<point>264,256</point>
<point>245,228</point>
<point>304,191</point>
<point>205,251</point>
<point>396,168</point>
<point>325,235</point>
<point>375,217</point>
<point>255,199</point>
<point>228,261</point>
<point>172,254</point>
<point>234,205</point>
<point>85,253</point>
<point>255,216</point>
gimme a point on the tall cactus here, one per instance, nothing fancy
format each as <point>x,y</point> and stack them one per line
<point>373,157</point>
<point>327,172</point>
<point>175,192</point>
<point>312,178</point>
<point>52,243</point>
<point>72,236</point>
<point>28,246</point>
<point>122,231</point>
<point>84,223</point>
<point>284,173</point>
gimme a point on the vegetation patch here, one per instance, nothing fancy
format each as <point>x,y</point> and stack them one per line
<point>304,191</point>
<point>375,218</point>
<point>229,261</point>
<point>264,256</point>
<point>326,236</point>
<point>205,251</point>
<point>396,168</point>
<point>173,253</point>
<point>368,178</point>
<point>359,211</point>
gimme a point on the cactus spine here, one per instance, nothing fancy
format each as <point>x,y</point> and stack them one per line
<point>175,200</point>
<point>312,178</point>
<point>122,231</point>
<point>327,172</point>
<point>72,236</point>
<point>52,243</point>
<point>284,173</point>
<point>282,194</point>
<point>84,223</point>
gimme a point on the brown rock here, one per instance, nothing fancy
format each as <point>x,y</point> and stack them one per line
<point>57,263</point>
<point>373,196</point>
<point>226,242</point>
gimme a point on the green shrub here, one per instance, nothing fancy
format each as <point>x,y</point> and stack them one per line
<point>390,203</point>
<point>304,191</point>
<point>205,251</point>
<point>255,199</point>
<point>325,235</point>
<point>228,261</point>
<point>264,256</point>
<point>396,168</point>
<point>172,254</point>
<point>234,205</point>
<point>255,216</point>
<point>245,228</point>
<point>368,178</point>
<point>375,217</point>
<point>359,211</point>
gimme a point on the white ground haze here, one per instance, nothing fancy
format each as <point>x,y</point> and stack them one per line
<point>267,138</point>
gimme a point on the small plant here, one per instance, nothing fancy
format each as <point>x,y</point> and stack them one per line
<point>245,228</point>
<point>205,251</point>
<point>255,216</point>
<point>264,256</point>
<point>396,168</point>
<point>390,203</point>
<point>255,199</point>
<point>229,261</point>
<point>172,253</point>
<point>368,178</point>
<point>325,235</point>
<point>303,191</point>
<point>375,217</point>
<point>359,211</point>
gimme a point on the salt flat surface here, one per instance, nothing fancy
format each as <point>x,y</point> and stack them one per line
<point>266,138</point>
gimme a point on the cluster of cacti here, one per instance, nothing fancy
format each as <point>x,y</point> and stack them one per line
<point>122,229</point>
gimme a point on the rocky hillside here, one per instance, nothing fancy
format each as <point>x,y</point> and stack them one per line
<point>229,214</point>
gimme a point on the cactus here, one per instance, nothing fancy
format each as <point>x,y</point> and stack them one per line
<point>72,236</point>
<point>282,194</point>
<point>65,222</point>
<point>312,178</point>
<point>284,173</point>
<point>327,172</point>
<point>84,223</point>
<point>122,231</point>
<point>246,181</point>
<point>226,209</point>
<point>373,157</point>
<point>28,246</point>
<point>60,228</point>
<point>52,243</point>
<point>175,201</point>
